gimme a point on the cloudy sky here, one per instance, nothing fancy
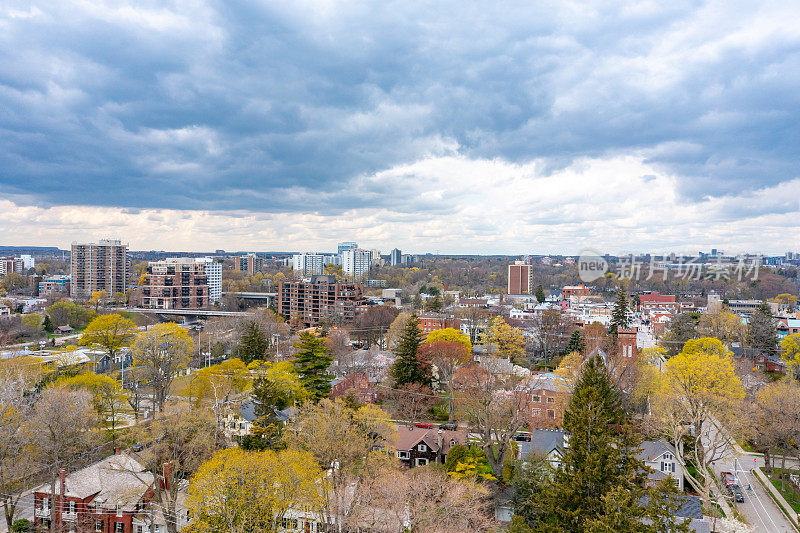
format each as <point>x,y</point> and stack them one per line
<point>458,127</point>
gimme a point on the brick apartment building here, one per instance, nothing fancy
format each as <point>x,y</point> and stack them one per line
<point>321,296</point>
<point>9,265</point>
<point>250,263</point>
<point>432,321</point>
<point>520,278</point>
<point>97,267</point>
<point>651,303</point>
<point>176,283</point>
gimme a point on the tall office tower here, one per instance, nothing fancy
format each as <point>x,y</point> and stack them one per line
<point>308,264</point>
<point>395,257</point>
<point>356,263</point>
<point>345,246</point>
<point>519,278</point>
<point>249,263</point>
<point>101,266</point>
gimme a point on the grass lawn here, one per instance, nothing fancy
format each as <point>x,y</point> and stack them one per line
<point>791,496</point>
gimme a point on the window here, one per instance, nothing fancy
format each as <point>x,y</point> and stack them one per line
<point>421,461</point>
<point>551,414</point>
<point>156,529</point>
<point>119,527</point>
<point>668,456</point>
<point>536,412</point>
<point>667,467</point>
<point>422,448</point>
<point>139,529</point>
<point>402,455</point>
<point>551,400</point>
<point>73,508</point>
<point>536,399</point>
<point>98,525</point>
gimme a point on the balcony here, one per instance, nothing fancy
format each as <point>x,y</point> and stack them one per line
<point>43,512</point>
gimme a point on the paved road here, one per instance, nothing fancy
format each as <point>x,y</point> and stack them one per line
<point>758,508</point>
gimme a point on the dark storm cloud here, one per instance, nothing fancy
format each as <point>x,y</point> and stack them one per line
<point>264,107</point>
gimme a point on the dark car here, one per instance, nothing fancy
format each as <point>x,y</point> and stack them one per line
<point>450,426</point>
<point>736,492</point>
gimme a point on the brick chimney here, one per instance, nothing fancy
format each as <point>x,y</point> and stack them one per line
<point>166,472</point>
<point>62,482</point>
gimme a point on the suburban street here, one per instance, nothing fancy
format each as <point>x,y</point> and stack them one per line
<point>760,511</point>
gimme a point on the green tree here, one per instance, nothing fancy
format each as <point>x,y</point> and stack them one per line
<point>681,329</point>
<point>253,345</point>
<point>575,343</point>
<point>408,368</point>
<point>311,364</point>
<point>599,484</point>
<point>761,333</point>
<point>48,324</point>
<point>540,294</point>
<point>619,315</point>
<point>109,332</point>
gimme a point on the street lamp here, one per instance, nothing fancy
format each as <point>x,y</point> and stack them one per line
<point>41,347</point>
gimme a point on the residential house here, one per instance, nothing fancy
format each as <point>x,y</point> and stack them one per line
<point>544,443</point>
<point>363,389</point>
<point>103,497</point>
<point>660,457</point>
<point>432,321</point>
<point>418,446</point>
<point>542,398</point>
<point>235,424</point>
<point>766,363</point>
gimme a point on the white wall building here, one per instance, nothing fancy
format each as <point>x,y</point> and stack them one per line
<point>214,275</point>
<point>356,263</point>
<point>309,264</point>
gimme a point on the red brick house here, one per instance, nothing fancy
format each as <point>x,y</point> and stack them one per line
<point>363,389</point>
<point>103,497</point>
<point>768,364</point>
<point>626,344</point>
<point>654,302</point>
<point>432,321</point>
<point>542,398</point>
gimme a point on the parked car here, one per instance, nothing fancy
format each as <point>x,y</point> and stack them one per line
<point>137,447</point>
<point>736,492</point>
<point>424,426</point>
<point>450,426</point>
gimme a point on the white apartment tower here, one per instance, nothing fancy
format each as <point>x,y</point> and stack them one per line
<point>356,263</point>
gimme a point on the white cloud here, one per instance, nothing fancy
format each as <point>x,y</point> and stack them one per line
<point>619,204</point>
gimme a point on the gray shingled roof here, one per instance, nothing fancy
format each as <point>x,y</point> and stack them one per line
<point>542,441</point>
<point>651,449</point>
<point>118,479</point>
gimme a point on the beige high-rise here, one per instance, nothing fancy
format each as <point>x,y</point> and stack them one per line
<point>98,266</point>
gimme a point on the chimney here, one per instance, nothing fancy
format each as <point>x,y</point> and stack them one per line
<point>166,472</point>
<point>62,482</point>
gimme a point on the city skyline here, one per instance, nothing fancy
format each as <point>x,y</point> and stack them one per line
<point>292,125</point>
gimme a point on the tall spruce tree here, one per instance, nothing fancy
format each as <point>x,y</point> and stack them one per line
<point>311,364</point>
<point>576,343</point>
<point>408,368</point>
<point>253,344</point>
<point>762,335</point>
<point>619,315</point>
<point>540,294</point>
<point>599,469</point>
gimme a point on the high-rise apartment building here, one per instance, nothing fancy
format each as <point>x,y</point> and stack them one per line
<point>346,246</point>
<point>97,267</point>
<point>323,296</point>
<point>182,283</point>
<point>520,278</point>
<point>214,275</point>
<point>9,265</point>
<point>309,264</point>
<point>249,263</point>
<point>356,263</point>
<point>395,257</point>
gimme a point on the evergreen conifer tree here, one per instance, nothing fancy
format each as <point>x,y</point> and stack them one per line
<point>599,482</point>
<point>408,368</point>
<point>253,344</point>
<point>619,315</point>
<point>540,294</point>
<point>311,364</point>
<point>576,343</point>
<point>48,324</point>
<point>761,332</point>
